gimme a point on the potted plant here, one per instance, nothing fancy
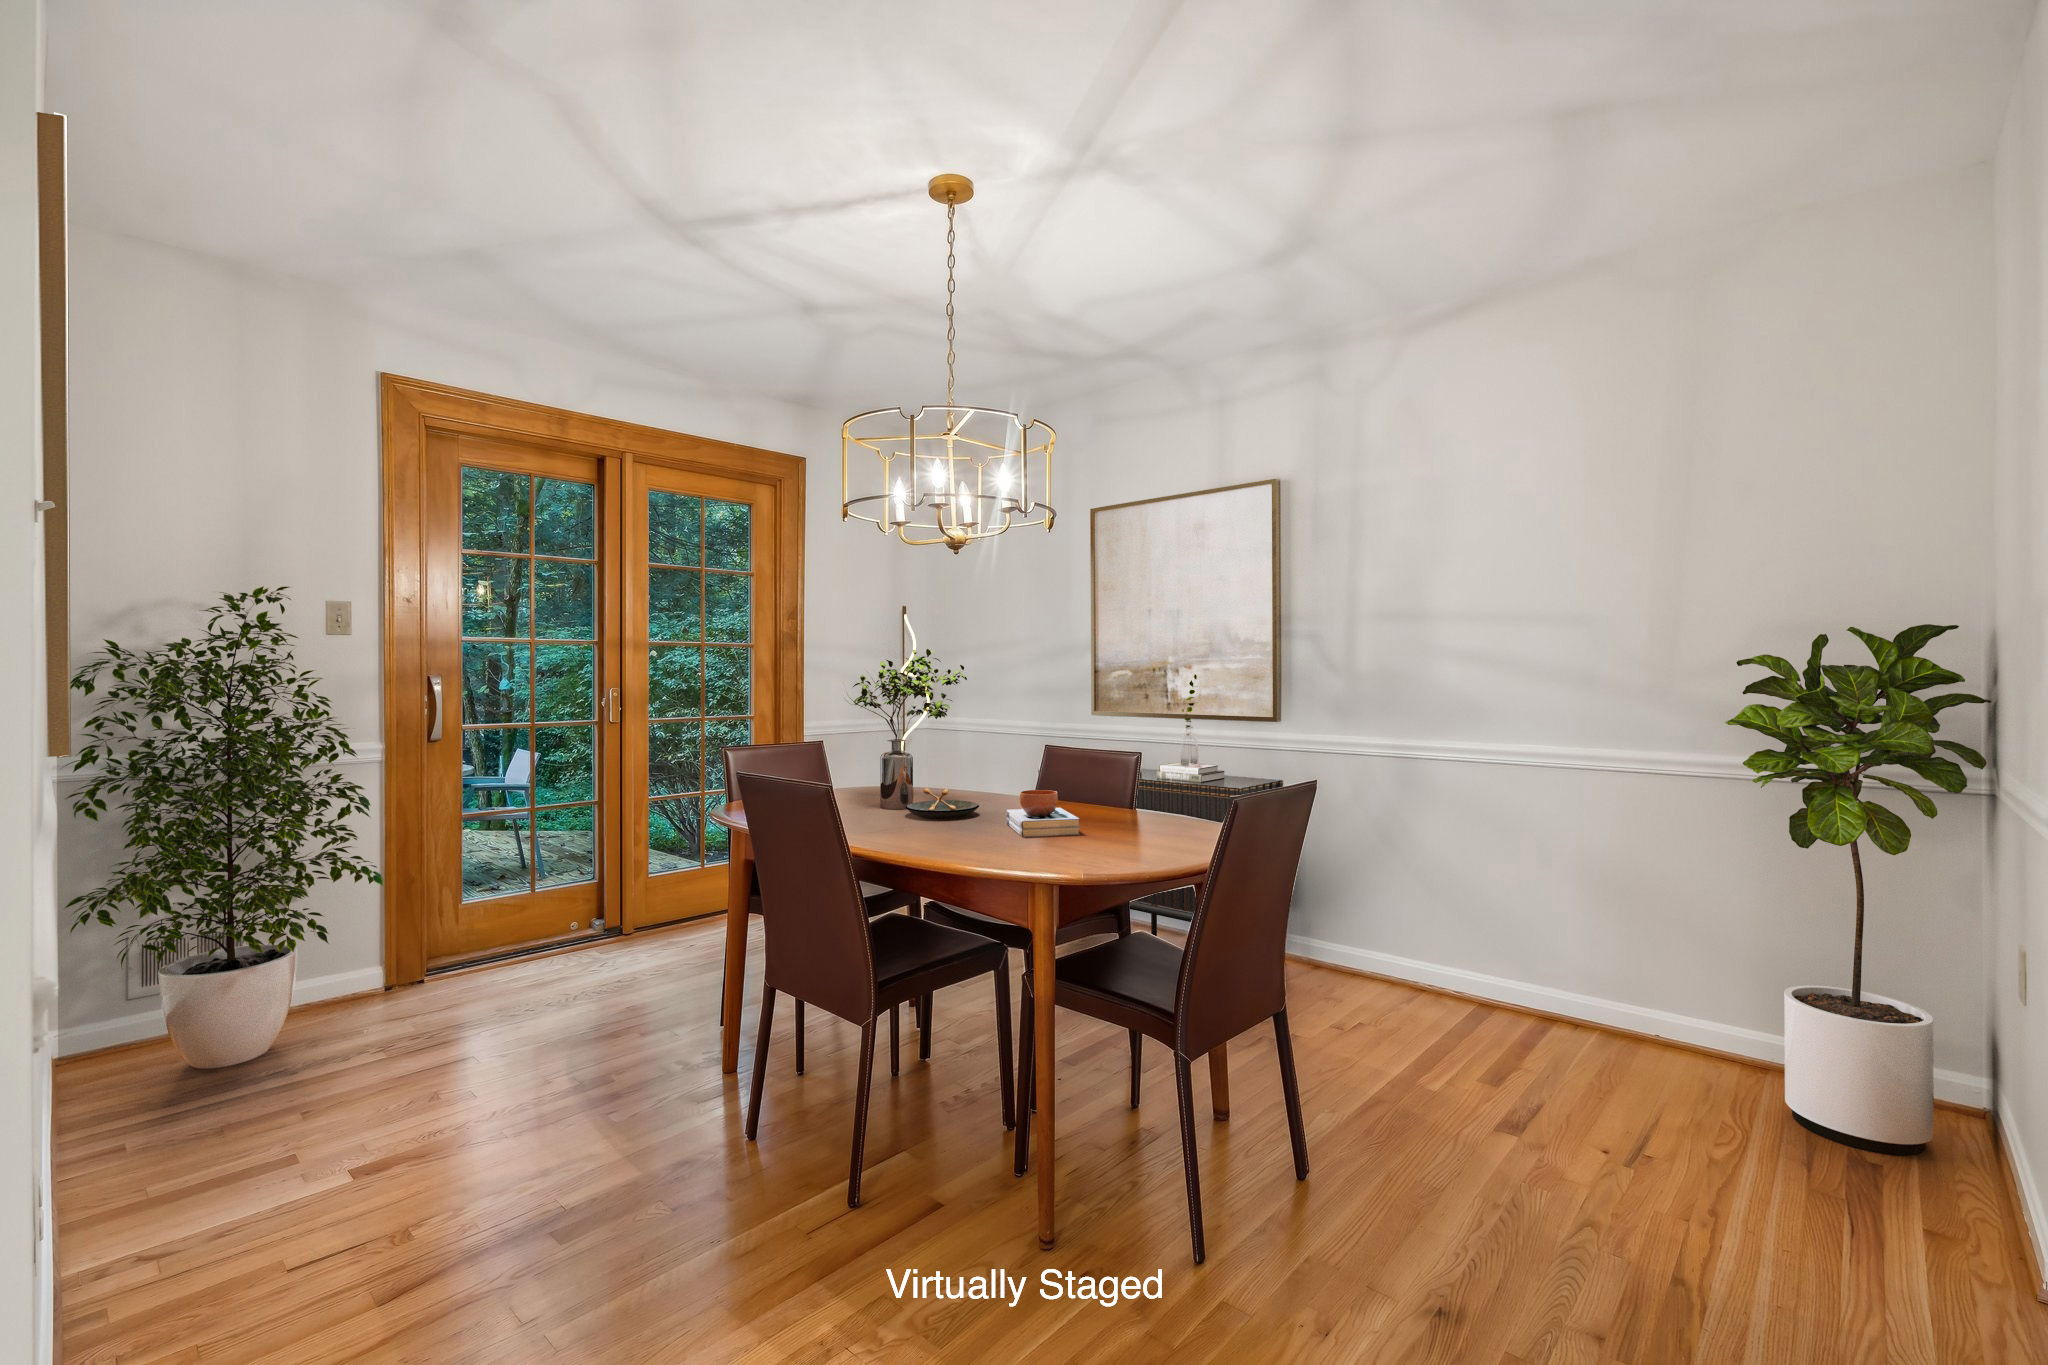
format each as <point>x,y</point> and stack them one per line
<point>221,751</point>
<point>1859,1067</point>
<point>904,696</point>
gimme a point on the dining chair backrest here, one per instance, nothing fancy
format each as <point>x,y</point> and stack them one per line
<point>519,771</point>
<point>805,761</point>
<point>818,944</point>
<point>1093,777</point>
<point>1233,974</point>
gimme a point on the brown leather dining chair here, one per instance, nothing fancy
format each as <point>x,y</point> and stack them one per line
<point>807,762</point>
<point>1092,777</point>
<point>825,950</point>
<point>1231,977</point>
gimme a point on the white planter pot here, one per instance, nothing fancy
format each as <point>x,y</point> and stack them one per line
<point>1857,1081</point>
<point>221,1018</point>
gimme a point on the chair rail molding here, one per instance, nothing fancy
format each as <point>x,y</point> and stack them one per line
<point>1668,764</point>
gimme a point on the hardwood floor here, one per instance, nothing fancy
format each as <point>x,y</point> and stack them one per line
<point>543,1161</point>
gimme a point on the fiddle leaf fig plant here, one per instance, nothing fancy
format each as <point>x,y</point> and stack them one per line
<point>221,752</point>
<point>1844,727</point>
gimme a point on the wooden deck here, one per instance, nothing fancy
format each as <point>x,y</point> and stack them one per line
<point>542,1161</point>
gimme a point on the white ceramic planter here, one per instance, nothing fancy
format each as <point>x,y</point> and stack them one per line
<point>1868,1084</point>
<point>221,1018</point>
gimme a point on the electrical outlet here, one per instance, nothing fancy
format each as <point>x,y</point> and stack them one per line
<point>339,617</point>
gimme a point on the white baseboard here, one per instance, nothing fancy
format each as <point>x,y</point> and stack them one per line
<point>133,1028</point>
<point>1956,1087</point>
<point>2031,1207</point>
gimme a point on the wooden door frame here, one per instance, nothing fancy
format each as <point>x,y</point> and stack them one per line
<point>408,410</point>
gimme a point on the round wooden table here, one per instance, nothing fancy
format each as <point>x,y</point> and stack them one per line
<point>980,864</point>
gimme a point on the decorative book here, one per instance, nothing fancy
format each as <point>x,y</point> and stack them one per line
<point>1061,821</point>
<point>1189,772</point>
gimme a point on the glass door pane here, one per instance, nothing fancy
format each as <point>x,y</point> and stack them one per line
<point>530,751</point>
<point>700,606</point>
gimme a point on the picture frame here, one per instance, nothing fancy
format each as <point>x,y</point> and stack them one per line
<point>1187,584</point>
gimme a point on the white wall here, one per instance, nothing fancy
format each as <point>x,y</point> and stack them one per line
<point>224,433</point>
<point>26,1271</point>
<point>2019,835</point>
<point>1525,542</point>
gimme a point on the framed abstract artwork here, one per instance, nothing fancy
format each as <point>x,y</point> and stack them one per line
<point>1188,586</point>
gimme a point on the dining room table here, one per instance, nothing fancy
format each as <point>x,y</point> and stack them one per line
<point>979,863</point>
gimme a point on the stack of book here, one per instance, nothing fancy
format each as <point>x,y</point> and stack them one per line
<point>1061,821</point>
<point>1189,772</point>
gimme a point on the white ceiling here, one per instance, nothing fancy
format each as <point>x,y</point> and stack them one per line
<point>735,190</point>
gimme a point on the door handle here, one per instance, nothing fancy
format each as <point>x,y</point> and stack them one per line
<point>434,702</point>
<point>611,705</point>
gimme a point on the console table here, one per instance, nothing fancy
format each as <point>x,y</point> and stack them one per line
<point>1206,800</point>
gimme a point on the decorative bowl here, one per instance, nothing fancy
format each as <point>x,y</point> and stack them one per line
<point>1039,803</point>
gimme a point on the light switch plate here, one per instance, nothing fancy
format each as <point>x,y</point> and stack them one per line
<point>340,618</point>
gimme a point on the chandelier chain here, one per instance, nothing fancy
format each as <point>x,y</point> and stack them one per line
<point>951,207</point>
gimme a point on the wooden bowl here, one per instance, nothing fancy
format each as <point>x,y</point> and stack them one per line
<point>1039,803</point>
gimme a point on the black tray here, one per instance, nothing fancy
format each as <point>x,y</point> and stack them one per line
<point>951,810</point>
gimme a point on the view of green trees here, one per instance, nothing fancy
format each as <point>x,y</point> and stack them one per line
<point>529,655</point>
<point>700,600</point>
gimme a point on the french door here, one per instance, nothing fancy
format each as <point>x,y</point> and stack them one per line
<point>576,631</point>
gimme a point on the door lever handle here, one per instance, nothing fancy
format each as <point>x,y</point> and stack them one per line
<point>611,705</point>
<point>434,702</point>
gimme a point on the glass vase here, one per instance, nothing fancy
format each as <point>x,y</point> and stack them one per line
<point>896,774</point>
<point>1190,752</point>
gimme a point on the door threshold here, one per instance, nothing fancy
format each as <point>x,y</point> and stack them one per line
<point>491,957</point>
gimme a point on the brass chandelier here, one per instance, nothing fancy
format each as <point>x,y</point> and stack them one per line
<point>948,474</point>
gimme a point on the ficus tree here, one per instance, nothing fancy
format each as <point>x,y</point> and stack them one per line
<point>1845,726</point>
<point>221,752</point>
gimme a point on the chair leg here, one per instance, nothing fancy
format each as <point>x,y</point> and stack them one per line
<point>1029,1044</point>
<point>860,1111</point>
<point>1026,1084</point>
<point>1005,1081</point>
<point>799,1037</point>
<point>761,1060</point>
<point>1184,1082</point>
<point>1137,1065</point>
<point>1292,1090</point>
<point>895,1066</point>
<point>924,1034</point>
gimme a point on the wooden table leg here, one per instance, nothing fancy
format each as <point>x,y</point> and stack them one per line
<point>1219,1080</point>
<point>739,887</point>
<point>1043,908</point>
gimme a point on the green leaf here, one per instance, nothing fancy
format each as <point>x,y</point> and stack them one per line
<point>1886,829</point>
<point>1771,761</point>
<point>1900,736</point>
<point>1884,651</point>
<point>1834,814</point>
<point>1857,688</point>
<point>1774,687</point>
<point>1915,673</point>
<point>1769,719</point>
<point>1910,640</point>
<point>1941,772</point>
<point>1836,758</point>
<point>1802,833</point>
<point>1812,675</point>
<point>1905,706</point>
<point>1782,667</point>
<point>1800,716</point>
<point>1962,751</point>
<point>1948,699</point>
<point>1918,797</point>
